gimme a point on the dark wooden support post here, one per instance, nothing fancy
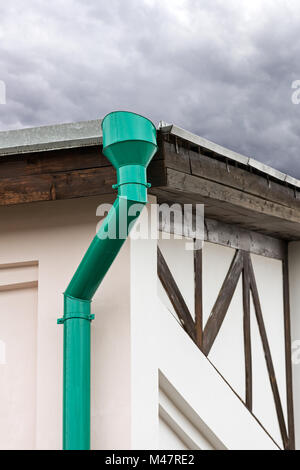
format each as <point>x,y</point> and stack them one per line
<point>288,350</point>
<point>198,296</point>
<point>247,332</point>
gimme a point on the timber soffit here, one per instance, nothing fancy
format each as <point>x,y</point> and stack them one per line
<point>249,162</point>
<point>89,133</point>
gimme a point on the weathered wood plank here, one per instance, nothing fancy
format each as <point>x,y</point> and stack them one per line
<point>183,222</point>
<point>220,233</point>
<point>198,296</point>
<point>222,303</point>
<point>27,189</point>
<point>156,173</point>
<point>268,357</point>
<point>247,332</point>
<point>218,192</point>
<point>243,180</point>
<point>229,213</point>
<point>175,296</point>
<point>177,160</point>
<point>66,184</point>
<point>242,239</point>
<point>83,182</point>
<point>54,161</point>
<point>56,186</point>
<point>288,351</point>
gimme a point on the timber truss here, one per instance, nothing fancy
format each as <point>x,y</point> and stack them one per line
<point>204,337</point>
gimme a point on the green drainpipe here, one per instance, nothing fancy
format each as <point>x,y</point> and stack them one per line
<point>129,142</point>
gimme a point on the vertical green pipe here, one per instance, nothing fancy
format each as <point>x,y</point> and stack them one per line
<point>129,142</point>
<point>76,396</point>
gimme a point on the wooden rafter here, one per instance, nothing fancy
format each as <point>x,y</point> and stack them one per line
<point>222,303</point>
<point>175,296</point>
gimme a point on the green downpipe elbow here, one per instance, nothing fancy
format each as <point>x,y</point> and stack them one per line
<point>129,142</point>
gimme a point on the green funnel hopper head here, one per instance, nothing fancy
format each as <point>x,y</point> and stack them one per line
<point>129,142</point>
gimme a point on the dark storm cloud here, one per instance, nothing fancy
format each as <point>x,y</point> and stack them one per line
<point>220,69</point>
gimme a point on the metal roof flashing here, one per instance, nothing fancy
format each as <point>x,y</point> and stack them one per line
<point>56,137</point>
<point>234,156</point>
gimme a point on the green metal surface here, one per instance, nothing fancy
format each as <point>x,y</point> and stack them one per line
<point>76,397</point>
<point>129,142</point>
<point>128,139</point>
<point>103,250</point>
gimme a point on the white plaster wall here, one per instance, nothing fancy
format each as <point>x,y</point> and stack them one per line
<point>124,383</point>
<point>227,353</point>
<point>110,358</point>
<point>18,332</point>
<point>216,263</point>
<point>57,235</point>
<point>180,420</point>
<point>199,391</point>
<point>268,274</point>
<point>128,344</point>
<point>144,350</point>
<point>181,264</point>
<point>168,439</point>
<point>294,280</point>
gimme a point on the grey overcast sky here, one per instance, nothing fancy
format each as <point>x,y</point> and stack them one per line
<point>221,69</point>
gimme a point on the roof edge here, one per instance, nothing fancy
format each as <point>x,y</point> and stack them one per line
<point>54,137</point>
<point>231,155</point>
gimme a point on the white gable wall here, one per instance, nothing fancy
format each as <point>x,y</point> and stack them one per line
<point>151,386</point>
<point>227,353</point>
<point>294,281</point>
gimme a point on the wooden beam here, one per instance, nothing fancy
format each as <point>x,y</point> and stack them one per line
<point>177,160</point>
<point>218,192</point>
<point>55,161</point>
<point>233,214</point>
<point>175,296</point>
<point>288,351</point>
<point>66,184</point>
<point>198,296</point>
<point>247,332</point>
<point>37,163</point>
<point>241,239</point>
<point>216,168</point>
<point>222,303</point>
<point>241,179</point>
<point>56,186</point>
<point>268,357</point>
<point>230,235</point>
